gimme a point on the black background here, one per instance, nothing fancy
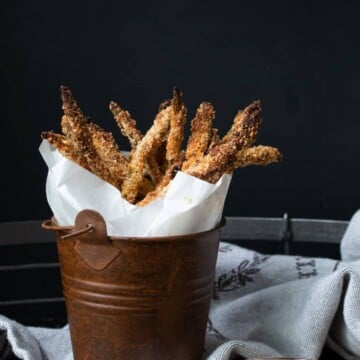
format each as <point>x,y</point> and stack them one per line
<point>300,58</point>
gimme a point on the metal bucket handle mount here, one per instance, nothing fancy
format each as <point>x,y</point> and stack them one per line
<point>91,240</point>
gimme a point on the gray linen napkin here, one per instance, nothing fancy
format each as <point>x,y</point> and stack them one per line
<point>286,305</point>
<point>36,343</point>
<point>262,306</point>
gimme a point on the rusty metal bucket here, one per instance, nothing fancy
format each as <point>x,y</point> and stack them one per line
<point>135,298</point>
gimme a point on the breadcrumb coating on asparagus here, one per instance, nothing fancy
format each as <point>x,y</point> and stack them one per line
<point>257,155</point>
<point>153,138</point>
<point>162,186</point>
<point>156,156</point>
<point>109,153</point>
<point>64,146</point>
<point>221,157</point>
<point>77,130</point>
<point>176,131</point>
<point>202,134</point>
<point>126,124</point>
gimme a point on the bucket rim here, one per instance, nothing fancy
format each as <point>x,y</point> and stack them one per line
<point>146,239</point>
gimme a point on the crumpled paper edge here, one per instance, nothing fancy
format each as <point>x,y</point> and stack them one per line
<point>190,205</point>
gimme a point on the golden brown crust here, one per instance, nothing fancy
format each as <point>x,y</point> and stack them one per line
<point>215,138</point>
<point>257,155</point>
<point>246,132</point>
<point>221,157</point>
<point>162,186</point>
<point>151,141</point>
<point>75,124</point>
<point>176,131</point>
<point>64,146</point>
<point>212,165</point>
<point>109,153</point>
<point>202,134</point>
<point>153,170</point>
<point>126,124</point>
<point>156,156</point>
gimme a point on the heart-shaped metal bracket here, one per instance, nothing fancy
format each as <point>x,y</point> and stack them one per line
<point>94,246</point>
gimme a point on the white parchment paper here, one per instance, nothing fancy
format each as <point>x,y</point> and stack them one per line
<point>190,204</point>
